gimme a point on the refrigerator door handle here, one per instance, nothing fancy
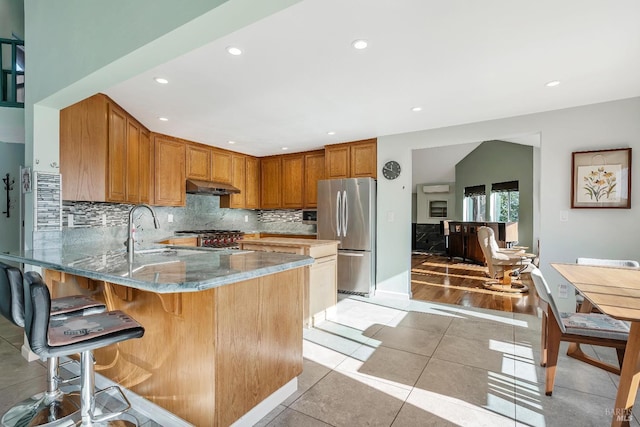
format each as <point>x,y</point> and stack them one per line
<point>345,210</point>
<point>350,254</point>
<point>338,214</point>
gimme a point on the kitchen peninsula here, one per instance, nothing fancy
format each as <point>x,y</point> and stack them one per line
<point>223,327</point>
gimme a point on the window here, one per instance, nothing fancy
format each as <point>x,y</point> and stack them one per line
<point>474,203</point>
<point>505,201</point>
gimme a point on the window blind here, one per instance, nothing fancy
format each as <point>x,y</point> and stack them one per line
<point>476,190</point>
<point>504,186</point>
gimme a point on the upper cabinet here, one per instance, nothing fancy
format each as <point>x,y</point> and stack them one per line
<point>221,166</point>
<point>314,170</point>
<point>271,182</point>
<point>170,169</point>
<point>198,158</point>
<point>245,177</point>
<point>351,160</point>
<point>292,181</point>
<point>104,153</point>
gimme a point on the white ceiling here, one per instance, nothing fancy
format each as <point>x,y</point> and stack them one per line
<point>462,61</point>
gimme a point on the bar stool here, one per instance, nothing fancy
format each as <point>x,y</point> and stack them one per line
<point>52,404</point>
<point>53,338</point>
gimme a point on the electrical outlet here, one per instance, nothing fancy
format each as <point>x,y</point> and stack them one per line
<point>564,216</point>
<point>170,218</point>
<point>563,290</point>
<point>104,219</point>
<point>70,220</point>
<point>246,218</point>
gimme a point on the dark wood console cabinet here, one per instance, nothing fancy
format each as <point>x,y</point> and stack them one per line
<point>463,238</point>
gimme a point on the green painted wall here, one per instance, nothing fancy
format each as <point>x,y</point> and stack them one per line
<point>11,157</point>
<point>499,161</point>
<point>11,18</point>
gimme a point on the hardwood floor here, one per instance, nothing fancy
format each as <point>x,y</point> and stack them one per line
<point>438,279</point>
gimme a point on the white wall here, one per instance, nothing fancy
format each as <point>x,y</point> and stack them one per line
<point>610,233</point>
<point>11,157</point>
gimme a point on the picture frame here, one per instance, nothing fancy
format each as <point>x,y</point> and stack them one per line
<point>25,179</point>
<point>601,179</point>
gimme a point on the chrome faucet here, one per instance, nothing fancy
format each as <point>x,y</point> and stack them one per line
<point>132,229</point>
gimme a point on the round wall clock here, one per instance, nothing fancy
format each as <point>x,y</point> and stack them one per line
<point>391,169</point>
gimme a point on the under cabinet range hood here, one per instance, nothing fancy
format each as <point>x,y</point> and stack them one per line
<point>196,186</point>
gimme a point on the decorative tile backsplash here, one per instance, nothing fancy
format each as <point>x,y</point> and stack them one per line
<point>85,222</point>
<point>288,215</point>
<point>47,199</point>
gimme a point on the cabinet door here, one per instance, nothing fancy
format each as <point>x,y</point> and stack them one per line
<point>198,159</point>
<point>84,150</point>
<point>292,181</point>
<point>252,193</point>
<point>314,171</point>
<point>337,160</point>
<point>364,159</point>
<point>270,182</point>
<point>238,180</point>
<point>145,175</point>
<point>221,166</point>
<point>117,169</point>
<point>169,172</point>
<point>133,162</point>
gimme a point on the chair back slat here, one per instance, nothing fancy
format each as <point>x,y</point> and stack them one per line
<point>12,294</point>
<point>36,314</point>
<point>544,294</point>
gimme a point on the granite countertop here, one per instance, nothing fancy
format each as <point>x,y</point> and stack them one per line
<point>162,269</point>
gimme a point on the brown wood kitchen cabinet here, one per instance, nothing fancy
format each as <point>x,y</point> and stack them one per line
<point>320,292</point>
<point>356,159</point>
<point>270,182</point>
<point>198,161</point>
<point>314,171</point>
<point>169,171</point>
<point>104,154</point>
<point>292,181</point>
<point>246,177</point>
<point>221,166</point>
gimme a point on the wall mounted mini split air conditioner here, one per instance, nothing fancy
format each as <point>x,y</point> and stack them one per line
<point>435,189</point>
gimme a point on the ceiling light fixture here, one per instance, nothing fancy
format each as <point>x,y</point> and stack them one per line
<point>331,133</point>
<point>234,51</point>
<point>359,44</point>
<point>231,142</point>
<point>553,83</point>
<point>416,109</point>
<point>163,119</point>
<point>161,80</point>
<point>285,148</point>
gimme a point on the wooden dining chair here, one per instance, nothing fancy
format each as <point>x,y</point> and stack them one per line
<point>586,328</point>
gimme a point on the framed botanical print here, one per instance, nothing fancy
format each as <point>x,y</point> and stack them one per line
<point>601,179</point>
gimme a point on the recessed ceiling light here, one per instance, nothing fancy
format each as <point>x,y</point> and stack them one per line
<point>234,51</point>
<point>416,109</point>
<point>331,133</point>
<point>359,44</point>
<point>553,83</point>
<point>285,148</point>
<point>161,80</point>
<point>163,119</point>
<point>231,142</point>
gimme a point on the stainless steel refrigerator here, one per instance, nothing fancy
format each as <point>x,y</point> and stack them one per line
<point>347,212</point>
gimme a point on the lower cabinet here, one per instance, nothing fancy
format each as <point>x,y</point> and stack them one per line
<point>320,294</point>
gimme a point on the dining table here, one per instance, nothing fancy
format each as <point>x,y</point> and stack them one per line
<point>614,291</point>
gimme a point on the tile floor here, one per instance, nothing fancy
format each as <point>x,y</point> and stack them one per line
<point>408,363</point>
